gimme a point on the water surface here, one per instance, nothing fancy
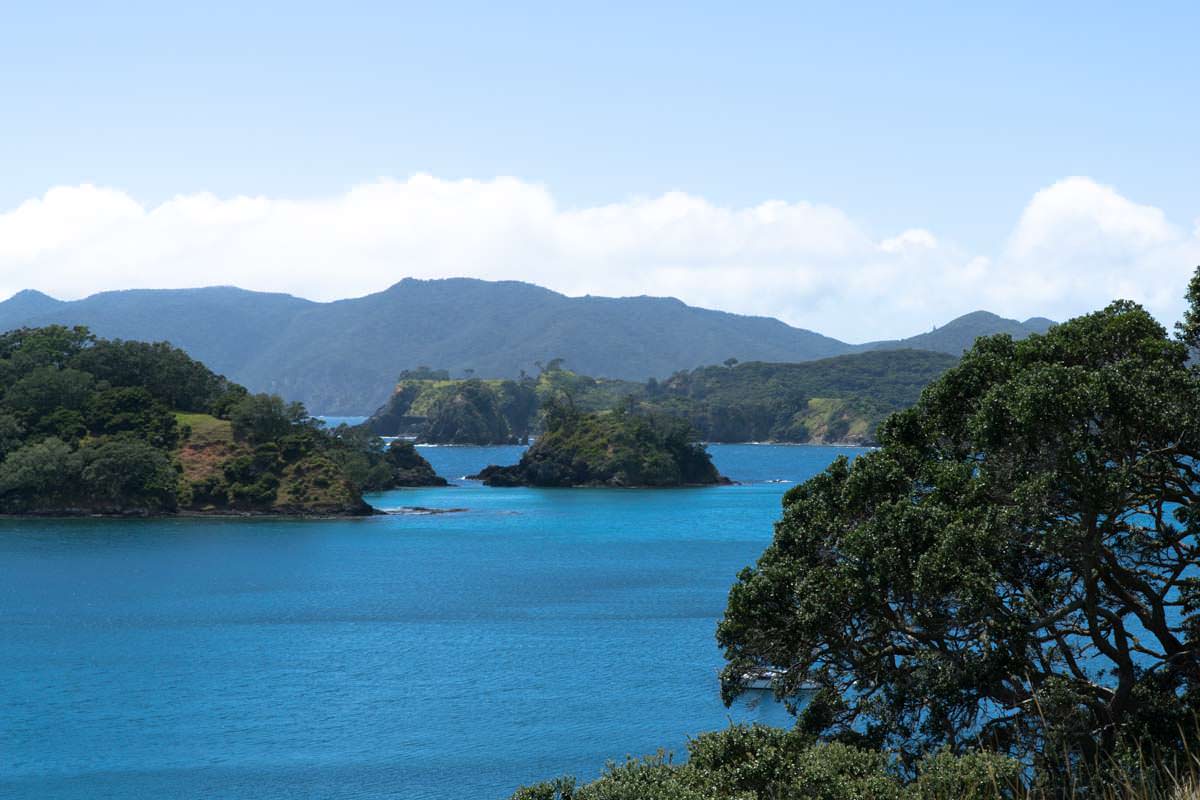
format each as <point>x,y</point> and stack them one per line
<point>444,656</point>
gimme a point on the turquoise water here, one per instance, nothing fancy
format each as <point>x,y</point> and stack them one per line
<point>443,656</point>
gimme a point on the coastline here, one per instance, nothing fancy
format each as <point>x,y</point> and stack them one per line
<point>371,511</point>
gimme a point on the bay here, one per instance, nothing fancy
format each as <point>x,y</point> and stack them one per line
<point>424,656</point>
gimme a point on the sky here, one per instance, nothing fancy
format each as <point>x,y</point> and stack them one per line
<point>864,170</point>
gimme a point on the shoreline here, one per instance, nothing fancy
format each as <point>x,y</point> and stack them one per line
<point>193,514</point>
<point>766,443</point>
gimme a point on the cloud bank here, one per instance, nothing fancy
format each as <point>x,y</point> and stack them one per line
<point>1075,246</point>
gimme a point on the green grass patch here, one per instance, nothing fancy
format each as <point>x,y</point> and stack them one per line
<point>205,428</point>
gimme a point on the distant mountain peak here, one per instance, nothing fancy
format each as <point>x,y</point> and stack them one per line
<point>1040,324</point>
<point>974,316</point>
<point>960,333</point>
<point>28,302</point>
<point>32,295</point>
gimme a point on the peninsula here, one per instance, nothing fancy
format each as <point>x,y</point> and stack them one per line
<point>92,426</point>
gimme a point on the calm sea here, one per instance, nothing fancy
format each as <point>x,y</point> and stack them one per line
<point>536,633</point>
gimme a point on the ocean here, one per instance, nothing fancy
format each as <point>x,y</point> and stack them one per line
<point>421,655</point>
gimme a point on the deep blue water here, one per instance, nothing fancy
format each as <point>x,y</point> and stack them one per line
<point>444,656</point>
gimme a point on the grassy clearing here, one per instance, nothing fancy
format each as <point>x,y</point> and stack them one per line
<point>205,428</point>
<point>208,445</point>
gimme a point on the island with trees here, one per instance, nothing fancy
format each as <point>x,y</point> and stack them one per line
<point>1001,601</point>
<point>95,426</point>
<point>618,448</point>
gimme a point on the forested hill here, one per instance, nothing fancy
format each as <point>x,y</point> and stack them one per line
<point>833,400</point>
<point>342,357</point>
<point>95,426</point>
<point>840,399</point>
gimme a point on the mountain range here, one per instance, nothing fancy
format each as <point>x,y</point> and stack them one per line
<point>343,357</point>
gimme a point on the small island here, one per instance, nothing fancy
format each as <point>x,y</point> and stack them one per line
<point>619,448</point>
<point>408,468</point>
<point>91,426</point>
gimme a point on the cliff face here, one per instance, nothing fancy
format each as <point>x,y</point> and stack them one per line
<point>617,449</point>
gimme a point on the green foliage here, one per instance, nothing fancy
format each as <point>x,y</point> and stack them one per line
<point>44,389</point>
<point>1188,328</point>
<point>975,775</point>
<point>754,762</point>
<point>132,410</point>
<point>12,433</point>
<point>1013,565</point>
<point>259,418</point>
<point>165,372</point>
<point>617,448</point>
<point>407,467</point>
<point>26,349</point>
<point>89,425</point>
<point>469,411</point>
<point>829,400</point>
<point>836,399</point>
<point>62,423</point>
<point>376,467</point>
<point>127,472</point>
<point>39,475</point>
<point>466,412</point>
<point>253,477</point>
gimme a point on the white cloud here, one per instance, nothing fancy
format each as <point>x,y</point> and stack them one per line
<point>1075,246</point>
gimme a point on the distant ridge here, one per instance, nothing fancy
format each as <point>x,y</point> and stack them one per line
<point>343,357</point>
<point>959,334</point>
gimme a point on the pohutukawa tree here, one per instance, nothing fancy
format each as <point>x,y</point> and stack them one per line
<point>1016,564</point>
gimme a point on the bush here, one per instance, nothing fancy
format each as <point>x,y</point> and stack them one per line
<point>39,475</point>
<point>265,417</point>
<point>125,473</point>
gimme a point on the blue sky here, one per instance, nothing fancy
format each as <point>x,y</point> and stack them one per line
<point>932,116</point>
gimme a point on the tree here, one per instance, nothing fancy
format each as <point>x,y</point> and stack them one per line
<point>1017,563</point>
<point>51,346</point>
<point>265,417</point>
<point>132,410</point>
<point>47,388</point>
<point>39,476</point>
<point>1188,328</point>
<point>11,434</point>
<point>730,362</point>
<point>168,373</point>
<point>126,473</point>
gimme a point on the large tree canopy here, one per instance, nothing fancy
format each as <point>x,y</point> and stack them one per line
<point>1016,564</point>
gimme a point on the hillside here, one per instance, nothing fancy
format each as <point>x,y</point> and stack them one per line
<point>840,399</point>
<point>834,400</point>
<point>96,426</point>
<point>433,408</point>
<point>341,357</point>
